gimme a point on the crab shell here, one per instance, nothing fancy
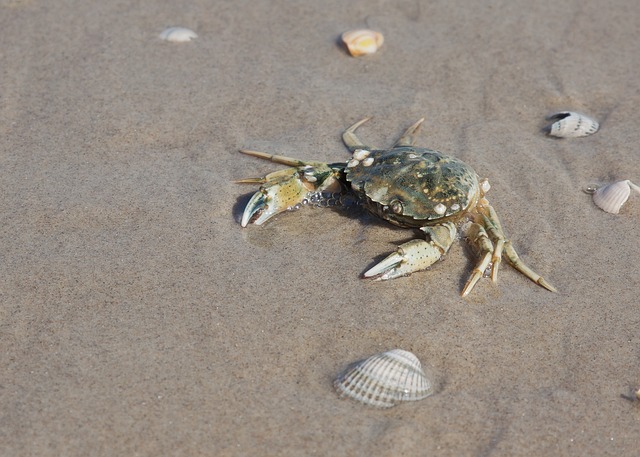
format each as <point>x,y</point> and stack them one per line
<point>413,187</point>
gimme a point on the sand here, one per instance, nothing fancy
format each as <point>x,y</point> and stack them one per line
<point>137,316</point>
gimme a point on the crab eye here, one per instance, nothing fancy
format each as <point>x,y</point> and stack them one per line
<point>396,206</point>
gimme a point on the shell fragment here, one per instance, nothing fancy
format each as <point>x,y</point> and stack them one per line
<point>568,124</point>
<point>178,34</point>
<point>611,197</point>
<point>362,42</point>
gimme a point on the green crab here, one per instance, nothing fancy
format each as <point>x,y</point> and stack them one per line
<point>408,186</point>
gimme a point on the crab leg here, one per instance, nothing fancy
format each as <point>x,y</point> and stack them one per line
<point>408,137</point>
<point>351,140</point>
<point>514,260</point>
<point>494,229</point>
<point>287,189</point>
<point>284,160</point>
<point>415,255</point>
<point>478,236</point>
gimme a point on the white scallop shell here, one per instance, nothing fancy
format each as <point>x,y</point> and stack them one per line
<point>385,379</point>
<point>362,42</point>
<point>178,34</point>
<point>572,125</point>
<point>611,197</point>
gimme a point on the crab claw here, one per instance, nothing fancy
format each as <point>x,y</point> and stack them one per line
<point>257,204</point>
<point>281,191</point>
<point>288,189</point>
<point>415,255</point>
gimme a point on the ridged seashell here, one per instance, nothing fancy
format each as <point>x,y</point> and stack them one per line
<point>362,42</point>
<point>571,125</point>
<point>178,34</point>
<point>385,379</point>
<point>611,197</point>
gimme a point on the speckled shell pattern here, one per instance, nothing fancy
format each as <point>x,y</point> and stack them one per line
<point>414,187</point>
<point>384,380</point>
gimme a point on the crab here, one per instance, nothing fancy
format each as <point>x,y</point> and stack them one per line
<point>409,187</point>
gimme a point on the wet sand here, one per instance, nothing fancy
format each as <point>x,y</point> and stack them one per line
<point>139,318</point>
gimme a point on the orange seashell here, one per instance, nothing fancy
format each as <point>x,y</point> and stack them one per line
<point>362,42</point>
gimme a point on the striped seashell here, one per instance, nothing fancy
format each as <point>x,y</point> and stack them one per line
<point>178,34</point>
<point>385,379</point>
<point>571,125</point>
<point>611,197</point>
<point>362,42</point>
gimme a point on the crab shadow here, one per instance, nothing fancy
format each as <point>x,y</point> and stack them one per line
<point>240,205</point>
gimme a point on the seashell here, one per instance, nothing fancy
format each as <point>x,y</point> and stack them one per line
<point>362,42</point>
<point>571,125</point>
<point>611,197</point>
<point>361,154</point>
<point>440,208</point>
<point>178,34</point>
<point>385,379</point>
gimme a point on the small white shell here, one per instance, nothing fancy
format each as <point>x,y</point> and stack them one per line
<point>385,379</point>
<point>440,208</point>
<point>485,186</point>
<point>361,154</point>
<point>178,34</point>
<point>611,197</point>
<point>362,42</point>
<point>571,125</point>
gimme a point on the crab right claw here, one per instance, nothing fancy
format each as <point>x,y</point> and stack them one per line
<point>415,255</point>
<point>280,191</point>
<point>286,189</point>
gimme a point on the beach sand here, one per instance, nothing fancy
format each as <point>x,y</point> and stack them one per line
<point>139,318</point>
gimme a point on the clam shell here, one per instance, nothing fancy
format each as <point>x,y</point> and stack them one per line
<point>362,42</point>
<point>178,34</point>
<point>385,379</point>
<point>611,197</point>
<point>571,125</point>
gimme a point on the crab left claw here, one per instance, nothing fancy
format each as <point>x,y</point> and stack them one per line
<point>415,255</point>
<point>287,189</point>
